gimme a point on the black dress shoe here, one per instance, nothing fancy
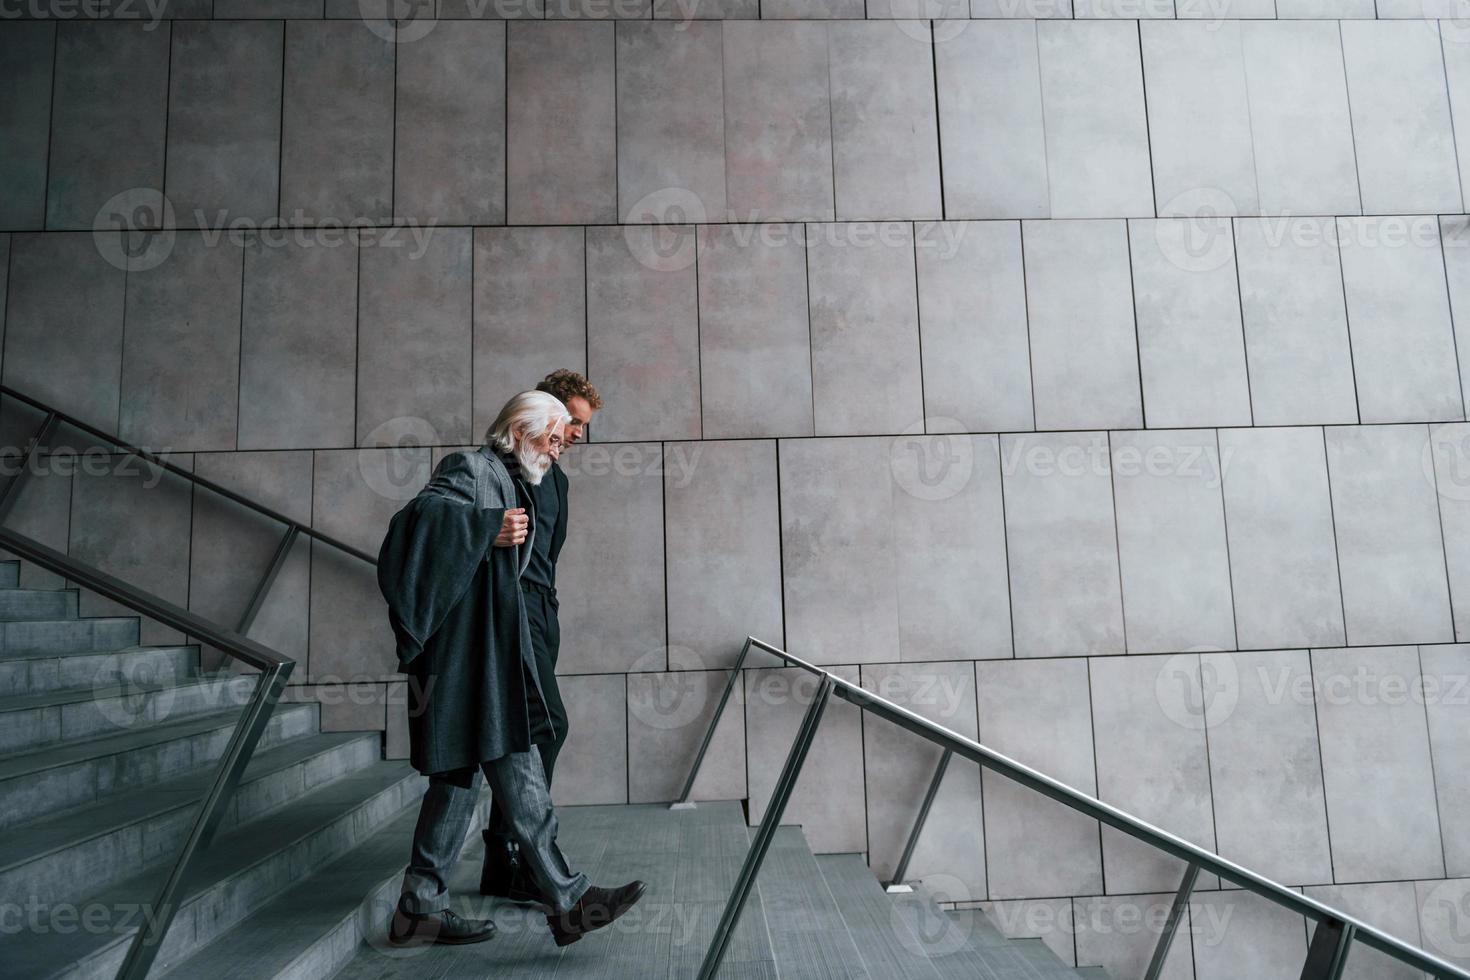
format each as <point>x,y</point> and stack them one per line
<point>445,928</point>
<point>596,908</point>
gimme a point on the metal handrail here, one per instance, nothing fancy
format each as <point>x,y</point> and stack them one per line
<point>1331,939</point>
<point>194,478</point>
<point>275,668</point>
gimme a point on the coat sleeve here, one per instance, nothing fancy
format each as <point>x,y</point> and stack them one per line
<point>427,560</point>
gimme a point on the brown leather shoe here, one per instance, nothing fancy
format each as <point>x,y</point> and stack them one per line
<point>596,908</point>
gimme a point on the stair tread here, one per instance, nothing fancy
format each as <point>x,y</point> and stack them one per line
<point>27,842</point>
<point>887,944</point>
<point>92,692</point>
<point>86,652</point>
<point>1005,958</point>
<point>79,750</point>
<point>49,952</point>
<point>809,938</point>
<point>269,941</point>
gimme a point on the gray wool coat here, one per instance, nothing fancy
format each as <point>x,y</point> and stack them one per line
<point>458,618</point>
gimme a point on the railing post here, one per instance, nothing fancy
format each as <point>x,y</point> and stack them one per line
<point>1171,924</point>
<point>1329,950</point>
<point>257,598</point>
<point>682,803</point>
<point>896,886</point>
<point>767,830</point>
<point>12,489</point>
<point>150,935</point>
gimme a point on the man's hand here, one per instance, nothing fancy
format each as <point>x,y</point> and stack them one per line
<point>513,528</point>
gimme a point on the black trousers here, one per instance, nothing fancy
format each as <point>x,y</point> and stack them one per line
<point>545,642</point>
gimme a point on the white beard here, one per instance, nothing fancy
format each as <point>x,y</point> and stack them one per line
<point>534,465</point>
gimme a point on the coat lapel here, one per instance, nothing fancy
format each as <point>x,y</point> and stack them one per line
<point>508,494</point>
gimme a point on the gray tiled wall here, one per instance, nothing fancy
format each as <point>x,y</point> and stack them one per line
<point>1089,381</point>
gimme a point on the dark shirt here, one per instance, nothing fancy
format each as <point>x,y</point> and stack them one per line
<point>541,570</point>
<point>541,501</point>
<point>542,729</point>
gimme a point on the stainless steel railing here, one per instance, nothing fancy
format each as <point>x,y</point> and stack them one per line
<point>274,667</point>
<point>1332,938</point>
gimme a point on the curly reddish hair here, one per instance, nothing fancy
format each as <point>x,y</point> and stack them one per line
<point>566,385</point>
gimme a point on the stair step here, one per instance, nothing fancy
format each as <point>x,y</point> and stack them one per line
<point>67,635</point>
<point>713,843</point>
<point>10,573</point>
<point>75,774</point>
<point>40,673</point>
<point>808,936</point>
<point>887,942</point>
<point>29,604</point>
<point>314,928</point>
<point>240,873</point>
<point>988,949</point>
<point>79,852</point>
<point>35,720</point>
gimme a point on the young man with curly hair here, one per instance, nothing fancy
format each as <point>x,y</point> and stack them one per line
<point>505,874</point>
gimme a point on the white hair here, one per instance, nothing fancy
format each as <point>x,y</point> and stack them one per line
<point>528,415</point>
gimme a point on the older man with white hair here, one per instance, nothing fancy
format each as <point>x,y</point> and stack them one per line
<point>449,568</point>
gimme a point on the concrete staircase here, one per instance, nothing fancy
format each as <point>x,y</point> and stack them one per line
<point>107,748</point>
